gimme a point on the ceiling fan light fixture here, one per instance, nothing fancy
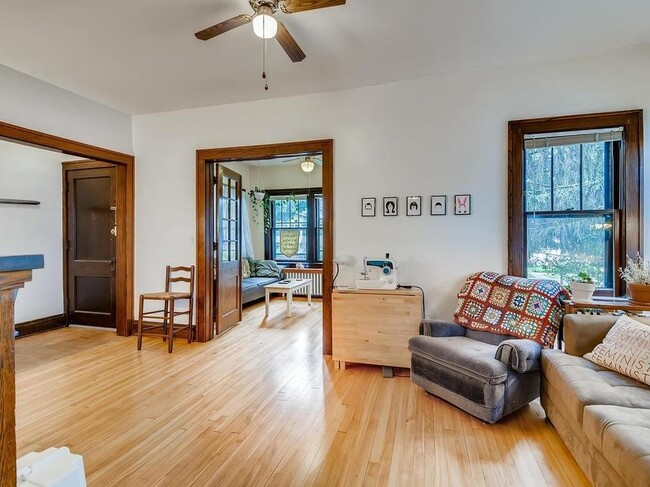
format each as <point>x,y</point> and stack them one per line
<point>307,165</point>
<point>264,25</point>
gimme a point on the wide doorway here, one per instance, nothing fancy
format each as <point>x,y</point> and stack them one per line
<point>73,203</point>
<point>265,230</point>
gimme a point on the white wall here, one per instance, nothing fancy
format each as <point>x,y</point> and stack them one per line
<point>38,105</point>
<point>437,135</point>
<point>286,177</point>
<point>34,174</point>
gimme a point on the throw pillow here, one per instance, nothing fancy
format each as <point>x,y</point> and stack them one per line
<point>245,268</point>
<point>625,349</point>
<point>267,268</point>
<point>508,305</point>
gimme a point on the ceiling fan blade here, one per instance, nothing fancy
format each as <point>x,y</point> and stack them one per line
<point>289,44</point>
<point>294,6</point>
<point>223,27</point>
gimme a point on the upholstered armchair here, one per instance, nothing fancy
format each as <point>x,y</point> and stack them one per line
<point>484,374</point>
<point>487,361</point>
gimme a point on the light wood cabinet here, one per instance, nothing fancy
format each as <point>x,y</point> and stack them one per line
<point>374,326</point>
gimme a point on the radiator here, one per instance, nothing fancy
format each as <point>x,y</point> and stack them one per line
<point>316,276</point>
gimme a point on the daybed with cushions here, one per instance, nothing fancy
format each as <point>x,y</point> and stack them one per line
<point>602,416</point>
<point>255,275</point>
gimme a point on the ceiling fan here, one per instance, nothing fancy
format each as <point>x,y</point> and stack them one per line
<point>265,25</point>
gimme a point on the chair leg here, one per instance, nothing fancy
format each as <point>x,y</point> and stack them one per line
<point>170,328</point>
<point>140,318</point>
<point>165,319</point>
<point>190,328</point>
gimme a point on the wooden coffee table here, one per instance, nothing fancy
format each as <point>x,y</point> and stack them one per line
<point>288,287</point>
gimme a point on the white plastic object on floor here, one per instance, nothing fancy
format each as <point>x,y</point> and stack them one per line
<point>54,467</point>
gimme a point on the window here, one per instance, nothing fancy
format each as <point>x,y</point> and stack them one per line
<point>296,233</point>
<point>575,197</point>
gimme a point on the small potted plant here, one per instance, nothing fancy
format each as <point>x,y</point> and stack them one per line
<point>637,276</point>
<point>583,288</point>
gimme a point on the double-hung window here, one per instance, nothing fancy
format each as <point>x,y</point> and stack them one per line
<point>296,233</point>
<point>575,197</point>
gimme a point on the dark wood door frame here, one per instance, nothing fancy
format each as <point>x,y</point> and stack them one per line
<point>125,174</point>
<point>204,230</point>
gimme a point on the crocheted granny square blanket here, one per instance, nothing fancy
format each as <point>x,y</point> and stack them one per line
<point>508,305</point>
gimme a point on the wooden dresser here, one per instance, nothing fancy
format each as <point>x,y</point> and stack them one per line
<point>374,326</point>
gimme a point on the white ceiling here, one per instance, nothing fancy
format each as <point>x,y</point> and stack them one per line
<point>141,56</point>
<point>282,161</point>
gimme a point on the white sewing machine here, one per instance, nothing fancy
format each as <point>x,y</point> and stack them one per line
<point>378,274</point>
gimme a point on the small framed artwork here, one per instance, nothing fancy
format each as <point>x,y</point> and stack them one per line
<point>368,206</point>
<point>463,204</point>
<point>439,204</point>
<point>413,205</point>
<point>390,206</point>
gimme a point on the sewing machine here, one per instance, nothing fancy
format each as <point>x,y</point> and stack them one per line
<point>378,274</point>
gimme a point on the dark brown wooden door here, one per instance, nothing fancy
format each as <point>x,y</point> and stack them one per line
<point>227,249</point>
<point>90,241</point>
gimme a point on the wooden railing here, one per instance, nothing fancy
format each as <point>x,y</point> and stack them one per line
<point>14,273</point>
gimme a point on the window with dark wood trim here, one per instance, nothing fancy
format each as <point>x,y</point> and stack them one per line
<point>296,209</point>
<point>561,205</point>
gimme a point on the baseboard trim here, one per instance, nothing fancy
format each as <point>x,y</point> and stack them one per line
<point>39,326</point>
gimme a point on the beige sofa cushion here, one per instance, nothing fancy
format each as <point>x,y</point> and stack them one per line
<point>579,383</point>
<point>622,435</point>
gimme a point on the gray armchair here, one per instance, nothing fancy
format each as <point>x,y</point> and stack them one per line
<point>484,374</point>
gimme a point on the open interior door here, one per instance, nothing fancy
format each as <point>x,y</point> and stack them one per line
<point>227,248</point>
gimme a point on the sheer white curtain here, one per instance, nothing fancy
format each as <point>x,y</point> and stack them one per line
<point>246,237</point>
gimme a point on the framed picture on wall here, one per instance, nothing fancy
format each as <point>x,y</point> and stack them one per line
<point>368,206</point>
<point>463,204</point>
<point>439,204</point>
<point>390,206</point>
<point>413,205</point>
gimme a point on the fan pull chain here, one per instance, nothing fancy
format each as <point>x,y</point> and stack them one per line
<point>264,53</point>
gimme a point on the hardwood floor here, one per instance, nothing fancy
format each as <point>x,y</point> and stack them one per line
<point>261,406</point>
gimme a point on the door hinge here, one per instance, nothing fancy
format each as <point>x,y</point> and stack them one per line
<point>67,244</point>
<point>67,186</point>
<point>214,179</point>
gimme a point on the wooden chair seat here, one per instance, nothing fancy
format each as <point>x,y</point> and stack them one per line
<point>162,322</point>
<point>167,295</point>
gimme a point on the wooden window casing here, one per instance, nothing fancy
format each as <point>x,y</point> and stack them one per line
<point>627,173</point>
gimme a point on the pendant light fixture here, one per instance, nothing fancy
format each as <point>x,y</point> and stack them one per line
<point>307,165</point>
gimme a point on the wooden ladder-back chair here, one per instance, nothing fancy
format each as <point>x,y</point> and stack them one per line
<point>162,322</point>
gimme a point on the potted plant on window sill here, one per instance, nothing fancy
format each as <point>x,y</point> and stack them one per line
<point>637,276</point>
<point>582,288</point>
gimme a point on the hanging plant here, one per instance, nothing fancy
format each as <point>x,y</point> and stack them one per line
<point>260,199</point>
